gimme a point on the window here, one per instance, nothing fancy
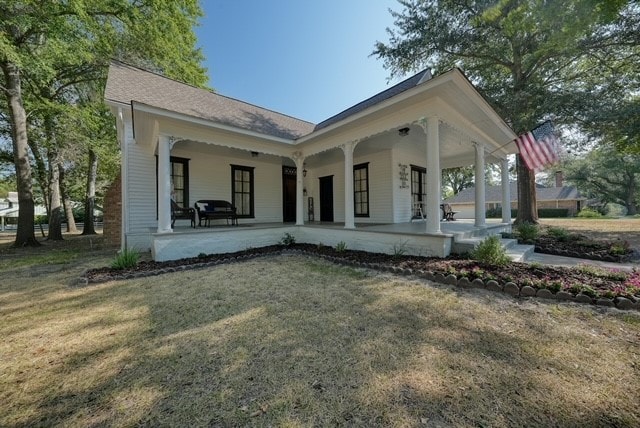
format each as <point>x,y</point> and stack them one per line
<point>361,190</point>
<point>179,170</point>
<point>180,181</point>
<point>418,190</point>
<point>242,190</point>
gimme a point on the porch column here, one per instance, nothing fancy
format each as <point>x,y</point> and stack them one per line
<point>434,174</point>
<point>506,192</point>
<point>299,160</point>
<point>479,183</point>
<point>349,217</point>
<point>164,184</point>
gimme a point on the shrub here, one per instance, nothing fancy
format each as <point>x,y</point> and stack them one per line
<point>341,247</point>
<point>491,252</point>
<point>558,233</point>
<point>619,248</point>
<point>528,232</point>
<point>589,213</point>
<point>125,259</point>
<point>400,249</point>
<point>288,239</point>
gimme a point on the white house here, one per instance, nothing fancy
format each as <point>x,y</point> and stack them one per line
<point>357,177</point>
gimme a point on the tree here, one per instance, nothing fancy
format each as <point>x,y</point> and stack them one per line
<point>608,175</point>
<point>457,179</point>
<point>528,57</point>
<point>56,47</point>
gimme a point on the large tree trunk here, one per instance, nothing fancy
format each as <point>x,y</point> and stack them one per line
<point>90,200</point>
<point>527,201</point>
<point>55,213</point>
<point>25,235</point>
<point>66,203</point>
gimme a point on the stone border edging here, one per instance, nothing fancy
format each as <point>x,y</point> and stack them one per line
<point>509,288</point>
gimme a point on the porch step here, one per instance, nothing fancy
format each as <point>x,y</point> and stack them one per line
<point>515,251</point>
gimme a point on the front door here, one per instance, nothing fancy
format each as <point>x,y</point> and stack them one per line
<point>288,194</point>
<point>326,198</point>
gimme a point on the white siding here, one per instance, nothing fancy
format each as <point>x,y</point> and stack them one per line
<point>209,178</point>
<point>380,187</point>
<point>405,154</point>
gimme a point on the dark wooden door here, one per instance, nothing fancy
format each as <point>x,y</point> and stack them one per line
<point>288,194</point>
<point>326,198</point>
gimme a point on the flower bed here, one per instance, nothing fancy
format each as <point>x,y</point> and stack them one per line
<point>587,284</point>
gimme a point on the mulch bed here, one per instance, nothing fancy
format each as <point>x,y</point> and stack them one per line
<point>584,248</point>
<point>585,284</point>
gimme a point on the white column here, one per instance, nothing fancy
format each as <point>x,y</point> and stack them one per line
<point>164,184</point>
<point>349,218</point>
<point>506,192</point>
<point>479,183</point>
<point>299,160</point>
<point>434,175</point>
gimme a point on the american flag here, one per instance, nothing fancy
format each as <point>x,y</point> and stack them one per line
<point>539,147</point>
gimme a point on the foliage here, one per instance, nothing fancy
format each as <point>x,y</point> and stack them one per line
<point>559,233</point>
<point>532,59</point>
<point>126,259</point>
<point>341,247</point>
<point>619,248</point>
<point>528,232</point>
<point>491,252</point>
<point>589,213</point>
<point>54,57</point>
<point>608,175</point>
<point>288,239</point>
<point>399,249</point>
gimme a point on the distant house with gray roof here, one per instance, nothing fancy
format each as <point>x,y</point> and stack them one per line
<point>564,197</point>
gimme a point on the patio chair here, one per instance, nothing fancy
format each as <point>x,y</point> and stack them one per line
<point>177,212</point>
<point>209,209</point>
<point>447,212</point>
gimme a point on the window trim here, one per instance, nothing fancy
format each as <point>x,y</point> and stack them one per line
<point>364,166</point>
<point>252,190</point>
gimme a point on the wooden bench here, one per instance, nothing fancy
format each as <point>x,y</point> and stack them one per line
<point>447,212</point>
<point>177,212</point>
<point>211,209</point>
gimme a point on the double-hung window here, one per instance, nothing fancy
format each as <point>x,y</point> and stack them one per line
<point>361,190</point>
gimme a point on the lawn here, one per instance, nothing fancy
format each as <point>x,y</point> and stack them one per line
<point>296,341</point>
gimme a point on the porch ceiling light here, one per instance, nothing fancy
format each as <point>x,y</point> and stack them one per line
<point>403,132</point>
<point>304,170</point>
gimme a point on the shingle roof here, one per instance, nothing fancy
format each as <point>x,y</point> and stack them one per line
<point>494,194</point>
<point>378,98</point>
<point>126,83</point>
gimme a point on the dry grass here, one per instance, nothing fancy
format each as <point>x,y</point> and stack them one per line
<point>291,341</point>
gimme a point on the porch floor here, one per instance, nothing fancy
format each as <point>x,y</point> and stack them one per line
<point>459,228</point>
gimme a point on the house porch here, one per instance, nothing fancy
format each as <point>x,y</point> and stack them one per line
<point>382,238</point>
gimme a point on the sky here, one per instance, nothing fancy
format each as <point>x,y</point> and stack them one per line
<point>307,59</point>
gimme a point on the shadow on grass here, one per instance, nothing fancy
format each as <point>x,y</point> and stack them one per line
<point>286,340</point>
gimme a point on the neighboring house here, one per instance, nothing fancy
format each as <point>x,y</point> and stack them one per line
<point>566,197</point>
<point>9,209</point>
<point>373,163</point>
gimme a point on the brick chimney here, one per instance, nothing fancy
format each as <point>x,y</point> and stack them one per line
<point>559,179</point>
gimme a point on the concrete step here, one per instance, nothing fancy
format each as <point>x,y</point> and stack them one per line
<point>520,253</point>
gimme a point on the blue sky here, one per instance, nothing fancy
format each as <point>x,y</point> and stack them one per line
<point>308,59</point>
